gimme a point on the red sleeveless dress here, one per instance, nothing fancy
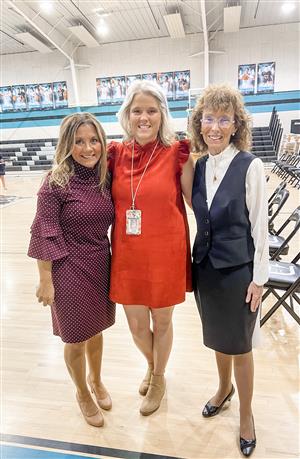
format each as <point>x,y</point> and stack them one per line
<point>154,268</point>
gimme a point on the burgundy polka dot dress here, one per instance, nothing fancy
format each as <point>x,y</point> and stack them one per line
<point>70,229</point>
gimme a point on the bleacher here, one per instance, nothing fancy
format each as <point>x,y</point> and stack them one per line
<point>25,155</point>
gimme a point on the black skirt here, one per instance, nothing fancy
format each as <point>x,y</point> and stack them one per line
<point>227,321</point>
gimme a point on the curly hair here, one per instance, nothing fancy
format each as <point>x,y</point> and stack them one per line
<point>166,133</point>
<point>222,97</point>
<point>63,167</point>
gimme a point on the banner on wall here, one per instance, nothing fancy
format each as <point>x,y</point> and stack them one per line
<point>6,99</point>
<point>265,77</point>
<point>181,84</point>
<point>165,80</point>
<point>246,78</point>
<point>112,90</point>
<point>19,97</point>
<point>35,96</point>
<point>60,94</point>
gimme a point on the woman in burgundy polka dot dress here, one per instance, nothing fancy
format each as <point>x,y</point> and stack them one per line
<point>69,240</point>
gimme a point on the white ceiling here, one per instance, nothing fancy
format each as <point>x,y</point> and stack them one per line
<point>126,20</point>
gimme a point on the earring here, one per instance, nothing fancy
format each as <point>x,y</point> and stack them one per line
<point>233,134</point>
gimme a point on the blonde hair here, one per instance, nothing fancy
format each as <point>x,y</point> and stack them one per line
<point>222,97</point>
<point>63,166</point>
<point>166,133</point>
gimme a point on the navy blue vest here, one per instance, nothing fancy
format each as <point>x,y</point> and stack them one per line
<point>223,231</point>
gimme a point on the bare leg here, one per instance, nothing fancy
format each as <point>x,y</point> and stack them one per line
<point>138,318</point>
<point>244,375</point>
<point>75,360</point>
<point>162,337</point>
<point>93,349</point>
<point>2,178</point>
<point>224,364</point>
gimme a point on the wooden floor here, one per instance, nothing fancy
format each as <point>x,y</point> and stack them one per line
<point>38,400</point>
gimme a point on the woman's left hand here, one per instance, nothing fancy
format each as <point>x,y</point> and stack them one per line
<point>254,295</point>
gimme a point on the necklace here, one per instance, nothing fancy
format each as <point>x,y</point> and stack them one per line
<point>214,169</point>
<point>133,194</point>
<point>133,215</point>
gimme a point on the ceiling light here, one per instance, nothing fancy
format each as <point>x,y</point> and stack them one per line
<point>84,35</point>
<point>46,6</point>
<point>174,25</point>
<point>102,28</point>
<point>287,7</point>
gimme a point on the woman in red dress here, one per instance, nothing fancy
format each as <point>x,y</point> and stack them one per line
<point>151,264</point>
<point>69,240</point>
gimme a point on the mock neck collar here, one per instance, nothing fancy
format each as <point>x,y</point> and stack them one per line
<point>85,172</point>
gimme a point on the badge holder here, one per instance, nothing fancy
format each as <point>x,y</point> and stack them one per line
<point>133,222</point>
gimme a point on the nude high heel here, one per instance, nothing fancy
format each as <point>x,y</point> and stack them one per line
<point>90,411</point>
<point>104,402</point>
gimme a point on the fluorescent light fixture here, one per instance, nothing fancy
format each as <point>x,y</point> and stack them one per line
<point>174,25</point>
<point>32,41</point>
<point>46,6</point>
<point>84,36</point>
<point>102,28</point>
<point>232,16</point>
<point>288,7</point>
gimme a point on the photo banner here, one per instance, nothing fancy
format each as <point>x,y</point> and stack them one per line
<point>112,90</point>
<point>246,78</point>
<point>33,96</point>
<point>265,77</point>
<point>60,94</point>
<point>19,97</point>
<point>6,99</point>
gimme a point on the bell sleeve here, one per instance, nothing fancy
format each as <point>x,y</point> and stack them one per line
<point>47,240</point>
<point>183,154</point>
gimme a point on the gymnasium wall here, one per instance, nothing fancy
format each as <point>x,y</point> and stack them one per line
<point>277,43</point>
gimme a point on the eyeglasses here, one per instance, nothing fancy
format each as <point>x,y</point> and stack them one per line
<point>222,122</point>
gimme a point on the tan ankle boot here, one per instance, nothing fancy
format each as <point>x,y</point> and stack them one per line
<point>143,389</point>
<point>154,395</point>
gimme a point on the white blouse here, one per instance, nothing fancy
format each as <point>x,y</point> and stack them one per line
<point>256,202</point>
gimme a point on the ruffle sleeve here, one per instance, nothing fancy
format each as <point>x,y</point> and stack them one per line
<point>183,153</point>
<point>47,240</point>
<point>111,155</point>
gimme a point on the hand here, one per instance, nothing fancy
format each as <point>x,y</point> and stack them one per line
<point>45,293</point>
<point>254,295</point>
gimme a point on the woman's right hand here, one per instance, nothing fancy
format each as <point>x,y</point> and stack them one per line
<point>45,292</point>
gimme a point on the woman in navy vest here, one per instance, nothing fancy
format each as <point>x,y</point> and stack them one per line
<point>230,254</point>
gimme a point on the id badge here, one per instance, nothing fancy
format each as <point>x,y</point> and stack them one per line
<point>133,222</point>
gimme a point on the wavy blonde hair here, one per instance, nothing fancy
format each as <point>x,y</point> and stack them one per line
<point>63,166</point>
<point>166,133</point>
<point>222,97</point>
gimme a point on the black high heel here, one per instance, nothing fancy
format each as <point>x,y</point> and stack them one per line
<point>211,410</point>
<point>247,446</point>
